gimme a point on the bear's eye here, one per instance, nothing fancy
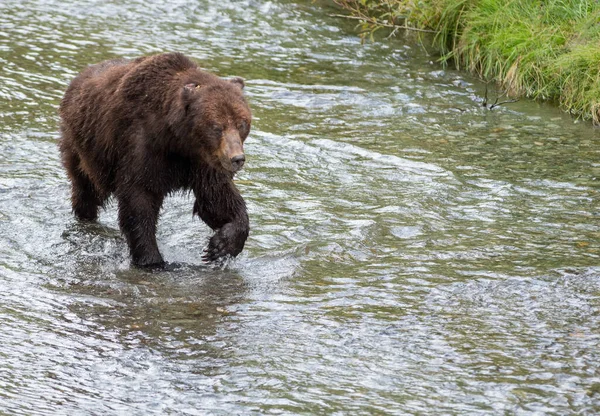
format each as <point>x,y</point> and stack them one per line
<point>216,130</point>
<point>243,128</point>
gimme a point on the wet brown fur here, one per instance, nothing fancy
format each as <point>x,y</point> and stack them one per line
<point>144,128</point>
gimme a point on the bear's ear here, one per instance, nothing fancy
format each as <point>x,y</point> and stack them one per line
<point>187,94</point>
<point>190,87</point>
<point>238,81</point>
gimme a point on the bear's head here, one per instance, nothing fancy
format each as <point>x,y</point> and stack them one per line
<point>219,121</point>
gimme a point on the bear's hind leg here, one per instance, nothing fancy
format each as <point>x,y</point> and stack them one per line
<point>138,216</point>
<point>85,198</point>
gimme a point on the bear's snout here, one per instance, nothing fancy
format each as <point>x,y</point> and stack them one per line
<point>237,162</point>
<point>231,151</point>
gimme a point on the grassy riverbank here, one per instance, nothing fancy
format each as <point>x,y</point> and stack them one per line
<point>546,49</point>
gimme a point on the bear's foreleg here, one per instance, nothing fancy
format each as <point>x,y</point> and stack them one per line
<point>138,216</point>
<point>223,209</point>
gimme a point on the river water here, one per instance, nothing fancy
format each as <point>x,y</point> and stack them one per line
<point>411,252</point>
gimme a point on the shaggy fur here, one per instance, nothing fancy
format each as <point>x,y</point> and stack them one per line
<point>144,128</point>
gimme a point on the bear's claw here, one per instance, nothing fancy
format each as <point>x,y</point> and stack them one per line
<point>216,249</point>
<point>227,241</point>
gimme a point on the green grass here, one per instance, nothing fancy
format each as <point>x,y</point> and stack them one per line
<point>544,49</point>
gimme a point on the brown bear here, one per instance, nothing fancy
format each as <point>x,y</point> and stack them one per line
<point>142,129</point>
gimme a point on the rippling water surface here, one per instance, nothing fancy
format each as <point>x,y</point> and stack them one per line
<point>411,252</point>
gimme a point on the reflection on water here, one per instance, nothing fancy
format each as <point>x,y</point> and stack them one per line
<point>411,252</point>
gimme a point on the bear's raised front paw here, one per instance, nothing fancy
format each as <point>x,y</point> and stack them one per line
<point>229,240</point>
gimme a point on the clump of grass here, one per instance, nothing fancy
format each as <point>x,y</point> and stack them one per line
<point>546,49</point>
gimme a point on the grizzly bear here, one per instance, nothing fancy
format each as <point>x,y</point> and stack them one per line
<point>142,129</point>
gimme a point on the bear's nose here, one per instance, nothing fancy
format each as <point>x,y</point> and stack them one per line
<point>238,161</point>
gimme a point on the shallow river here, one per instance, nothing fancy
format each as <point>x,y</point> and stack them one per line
<point>411,251</point>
